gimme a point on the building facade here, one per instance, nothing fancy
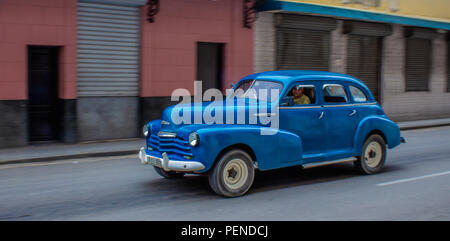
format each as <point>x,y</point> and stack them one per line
<point>399,48</point>
<point>82,70</point>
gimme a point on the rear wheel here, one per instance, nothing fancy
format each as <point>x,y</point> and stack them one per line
<point>233,174</point>
<point>170,174</point>
<point>373,155</point>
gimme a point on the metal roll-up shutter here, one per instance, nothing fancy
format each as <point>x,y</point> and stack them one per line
<point>418,58</point>
<point>303,42</point>
<point>108,47</point>
<point>367,28</point>
<point>363,61</point>
<point>422,33</point>
<point>364,52</point>
<point>448,62</point>
<point>132,3</point>
<point>305,22</point>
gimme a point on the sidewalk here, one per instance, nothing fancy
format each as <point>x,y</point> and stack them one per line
<point>53,152</point>
<point>59,151</point>
<point>410,125</point>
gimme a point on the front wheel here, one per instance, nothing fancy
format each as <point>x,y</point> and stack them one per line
<point>373,155</point>
<point>233,174</point>
<point>170,174</point>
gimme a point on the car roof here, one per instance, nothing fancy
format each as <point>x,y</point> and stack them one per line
<point>287,76</point>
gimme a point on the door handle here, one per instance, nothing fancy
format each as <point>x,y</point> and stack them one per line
<point>353,113</point>
<point>321,115</point>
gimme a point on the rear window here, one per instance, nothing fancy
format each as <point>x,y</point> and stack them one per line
<point>357,94</point>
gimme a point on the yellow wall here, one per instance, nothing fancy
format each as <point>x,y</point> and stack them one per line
<point>427,9</point>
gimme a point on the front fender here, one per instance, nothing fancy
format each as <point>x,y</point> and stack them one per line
<point>390,130</point>
<point>154,126</point>
<point>271,151</point>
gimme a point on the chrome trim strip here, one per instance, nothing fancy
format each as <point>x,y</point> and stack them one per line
<point>265,114</point>
<point>299,107</point>
<point>343,105</point>
<point>347,105</point>
<point>167,134</point>
<point>326,85</point>
<point>328,106</point>
<point>371,103</point>
<point>307,85</point>
<point>326,163</point>
<point>165,123</point>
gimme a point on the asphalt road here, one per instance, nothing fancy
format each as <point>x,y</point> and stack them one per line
<point>414,186</point>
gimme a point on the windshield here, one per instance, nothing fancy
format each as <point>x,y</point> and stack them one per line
<point>263,90</point>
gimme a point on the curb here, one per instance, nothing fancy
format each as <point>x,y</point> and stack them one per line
<point>405,128</point>
<point>135,151</point>
<point>72,156</point>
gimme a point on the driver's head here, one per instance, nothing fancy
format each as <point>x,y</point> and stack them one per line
<point>297,91</point>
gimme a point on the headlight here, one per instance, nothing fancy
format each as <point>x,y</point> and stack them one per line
<point>145,130</point>
<point>193,139</point>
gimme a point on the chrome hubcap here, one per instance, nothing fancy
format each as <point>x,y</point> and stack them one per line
<point>373,154</point>
<point>235,174</point>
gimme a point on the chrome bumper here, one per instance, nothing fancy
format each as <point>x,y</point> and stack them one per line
<point>169,165</point>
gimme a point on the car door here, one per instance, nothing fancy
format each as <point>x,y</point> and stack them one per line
<point>306,120</point>
<point>363,105</point>
<point>341,119</point>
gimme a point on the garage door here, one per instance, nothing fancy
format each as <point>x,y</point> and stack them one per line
<point>419,45</point>
<point>108,47</point>
<point>448,62</point>
<point>364,52</point>
<point>303,42</point>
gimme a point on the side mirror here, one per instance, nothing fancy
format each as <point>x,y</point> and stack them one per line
<point>287,101</point>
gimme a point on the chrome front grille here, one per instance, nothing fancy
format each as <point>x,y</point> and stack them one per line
<point>166,134</point>
<point>169,142</point>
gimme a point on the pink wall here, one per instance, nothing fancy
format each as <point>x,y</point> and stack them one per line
<point>169,43</point>
<point>36,22</point>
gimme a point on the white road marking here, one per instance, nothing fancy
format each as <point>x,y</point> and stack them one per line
<point>412,179</point>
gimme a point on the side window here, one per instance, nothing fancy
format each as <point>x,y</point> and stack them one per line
<point>302,95</point>
<point>334,93</point>
<point>357,94</point>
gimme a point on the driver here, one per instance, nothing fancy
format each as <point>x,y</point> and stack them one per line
<point>299,97</point>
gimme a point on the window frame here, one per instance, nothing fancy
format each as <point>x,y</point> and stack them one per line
<point>253,82</point>
<point>308,84</point>
<point>362,91</point>
<point>348,100</point>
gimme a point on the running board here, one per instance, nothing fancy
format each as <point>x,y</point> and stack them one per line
<point>326,163</point>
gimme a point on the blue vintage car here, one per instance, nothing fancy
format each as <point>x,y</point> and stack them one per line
<point>323,118</point>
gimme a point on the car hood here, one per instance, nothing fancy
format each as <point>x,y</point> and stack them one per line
<point>196,115</point>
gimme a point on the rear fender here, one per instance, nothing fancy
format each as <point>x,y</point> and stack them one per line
<point>388,128</point>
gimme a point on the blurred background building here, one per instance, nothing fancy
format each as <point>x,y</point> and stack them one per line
<point>399,48</point>
<point>82,70</point>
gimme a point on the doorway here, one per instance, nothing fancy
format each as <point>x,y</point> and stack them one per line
<point>43,93</point>
<point>210,65</point>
